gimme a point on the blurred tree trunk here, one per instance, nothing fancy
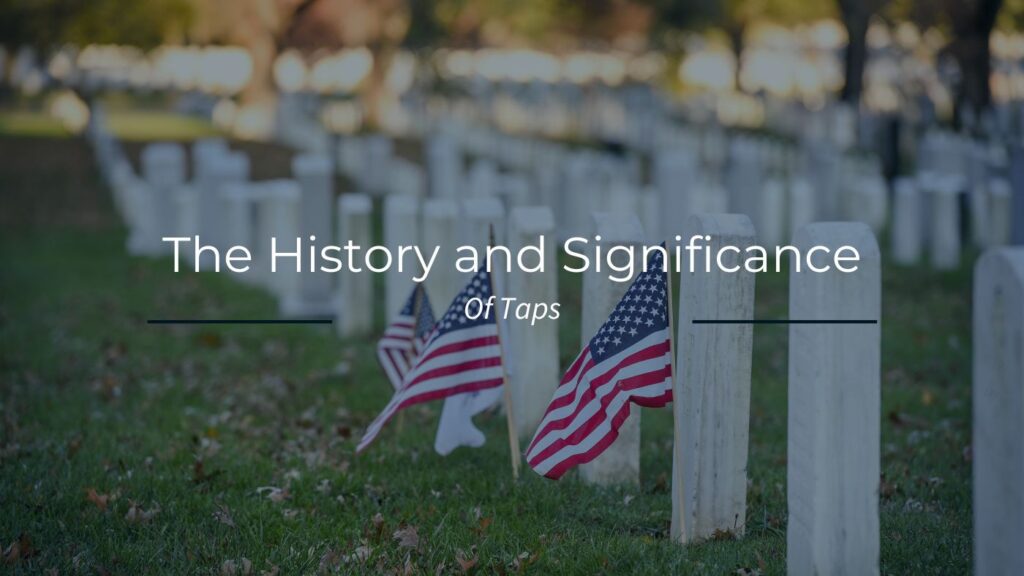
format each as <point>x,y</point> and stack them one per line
<point>376,93</point>
<point>972,22</point>
<point>856,16</point>
<point>736,30</point>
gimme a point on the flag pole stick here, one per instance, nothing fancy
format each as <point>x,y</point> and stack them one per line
<point>513,436</point>
<point>676,424</point>
<point>417,304</point>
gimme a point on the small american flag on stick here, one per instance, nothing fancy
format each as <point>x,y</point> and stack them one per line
<point>462,355</point>
<point>406,336</point>
<point>629,360</point>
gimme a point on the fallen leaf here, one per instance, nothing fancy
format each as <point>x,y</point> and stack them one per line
<point>485,523</point>
<point>19,549</point>
<point>466,563</point>
<point>136,515</point>
<point>100,500</point>
<point>274,493</point>
<point>407,537</point>
<point>359,555</point>
<point>273,571</point>
<point>223,515</point>
<point>240,567</point>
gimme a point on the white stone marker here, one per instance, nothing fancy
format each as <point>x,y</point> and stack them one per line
<point>771,217</point>
<point>1000,209</point>
<point>240,200</point>
<point>834,430</point>
<point>222,169</point>
<point>998,419</point>
<point>802,204</point>
<point>277,217</point>
<point>315,176</point>
<point>533,349</point>
<point>401,228</point>
<point>712,388</point>
<point>674,175</point>
<point>441,231</point>
<point>353,310</point>
<point>163,167</point>
<point>478,215</point>
<point>620,462</point>
<point>444,166</point>
<point>906,230</point>
<point>944,231</point>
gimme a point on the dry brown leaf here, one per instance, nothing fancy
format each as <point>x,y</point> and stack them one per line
<point>240,567</point>
<point>136,515</point>
<point>466,564</point>
<point>100,500</point>
<point>407,537</point>
<point>223,515</point>
<point>19,549</point>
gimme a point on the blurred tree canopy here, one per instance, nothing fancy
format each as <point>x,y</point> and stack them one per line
<point>266,27</point>
<point>48,23</point>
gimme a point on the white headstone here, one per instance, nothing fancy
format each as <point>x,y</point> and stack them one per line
<point>712,388</point>
<point>834,431</point>
<point>620,462</point>
<point>944,231</point>
<point>441,231</point>
<point>998,420</point>
<point>802,204</point>
<point>1000,211</point>
<point>401,228</point>
<point>533,346</point>
<point>163,167</point>
<point>354,305</point>
<point>906,229</point>
<point>315,176</point>
<point>218,169</point>
<point>444,166</point>
<point>277,217</point>
<point>771,217</point>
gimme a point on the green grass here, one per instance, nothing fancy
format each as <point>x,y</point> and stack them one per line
<point>192,422</point>
<point>29,123</point>
<point>135,125</point>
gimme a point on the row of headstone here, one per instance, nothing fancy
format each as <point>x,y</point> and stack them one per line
<point>224,208</point>
<point>834,429</point>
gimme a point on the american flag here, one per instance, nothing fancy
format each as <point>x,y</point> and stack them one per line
<point>462,355</point>
<point>627,361</point>
<point>405,337</point>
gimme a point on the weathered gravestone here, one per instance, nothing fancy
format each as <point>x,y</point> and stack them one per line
<point>834,431</point>
<point>441,231</point>
<point>1017,185</point>
<point>533,346</point>
<point>906,230</point>
<point>213,172</point>
<point>353,306</point>
<point>711,394</point>
<point>944,229</point>
<point>163,168</point>
<point>1000,209</point>
<point>277,220</point>
<point>401,228</point>
<point>315,176</point>
<point>998,419</point>
<point>620,462</point>
<point>444,165</point>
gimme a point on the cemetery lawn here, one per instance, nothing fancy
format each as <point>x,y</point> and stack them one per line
<point>128,448</point>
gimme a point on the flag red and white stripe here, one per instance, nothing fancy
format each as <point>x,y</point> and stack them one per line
<point>462,355</point>
<point>628,361</point>
<point>405,337</point>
